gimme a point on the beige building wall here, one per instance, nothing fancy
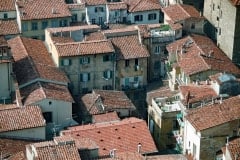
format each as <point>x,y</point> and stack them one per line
<point>10,15</point>
<point>95,69</point>
<point>30,133</point>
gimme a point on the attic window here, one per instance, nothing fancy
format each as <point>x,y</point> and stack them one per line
<point>98,131</point>
<point>133,127</point>
<point>101,140</point>
<point>78,135</point>
<point>119,137</point>
<point>116,129</point>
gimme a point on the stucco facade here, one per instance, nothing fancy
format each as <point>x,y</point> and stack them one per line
<point>224,27</point>
<point>96,14</point>
<point>144,17</point>
<point>7,15</point>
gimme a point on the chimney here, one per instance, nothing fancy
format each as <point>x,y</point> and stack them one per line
<point>53,11</point>
<point>220,100</point>
<point>139,147</point>
<point>227,141</point>
<point>112,153</point>
<point>187,97</point>
<point>17,91</point>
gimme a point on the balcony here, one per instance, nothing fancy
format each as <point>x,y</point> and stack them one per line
<point>179,141</point>
<point>180,119</point>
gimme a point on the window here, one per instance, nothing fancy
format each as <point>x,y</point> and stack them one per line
<point>93,21</point>
<point>213,6</point>
<point>85,60</point>
<point>5,15</point>
<point>98,9</point>
<point>138,18</point>
<point>48,117</point>
<point>217,18</point>
<point>175,125</point>
<point>157,50</point>
<point>24,27</point>
<point>107,74</point>
<point>63,23</point>
<point>74,18</point>
<point>34,26</point>
<point>66,62</point>
<point>84,77</point>
<point>152,16</point>
<point>44,24</point>
<point>136,79</point>
<point>107,58</point>
<point>194,149</point>
<point>54,23</point>
<point>126,81</point>
<point>157,65</point>
<point>126,63</point>
<point>136,62</point>
<point>219,31</point>
<point>193,26</point>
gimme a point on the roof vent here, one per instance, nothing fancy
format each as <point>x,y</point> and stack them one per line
<point>54,11</point>
<point>139,147</point>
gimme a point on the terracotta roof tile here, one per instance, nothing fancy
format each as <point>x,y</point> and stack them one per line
<point>201,54</point>
<point>106,117</point>
<point>18,156</point>
<point>142,5</point>
<point>30,65</point>
<point>234,149</point>
<point>167,157</point>
<point>3,41</point>
<point>41,90</point>
<point>108,99</point>
<point>84,48</point>
<point>95,2</point>
<point>197,93</point>
<point>117,6</point>
<point>214,115</point>
<point>7,5</point>
<point>60,150</point>
<point>126,156</point>
<point>236,2</point>
<point>8,27</point>
<point>21,118</point>
<point>78,6</point>
<point>7,106</point>
<point>13,148</point>
<point>123,136</point>
<point>95,36</point>
<point>73,28</point>
<point>179,12</point>
<point>62,39</point>
<point>43,9</point>
<point>126,51</point>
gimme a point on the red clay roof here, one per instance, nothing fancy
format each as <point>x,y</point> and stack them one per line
<point>21,118</point>
<point>95,36</point>
<point>142,5</point>
<point>8,27</point>
<point>73,28</point>
<point>109,100</point>
<point>201,54</point>
<point>13,148</point>
<point>214,115</point>
<point>7,5</point>
<point>84,48</point>
<point>234,148</point>
<point>106,117</point>
<point>126,51</point>
<point>123,136</point>
<point>179,12</point>
<point>235,2</point>
<point>117,6</point>
<point>95,2</point>
<point>30,64</point>
<point>41,90</point>
<point>43,9</point>
<point>76,6</point>
<point>197,93</point>
<point>125,156</point>
<point>61,149</point>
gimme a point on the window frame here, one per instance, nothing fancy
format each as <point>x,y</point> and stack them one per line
<point>152,16</point>
<point>138,18</point>
<point>34,26</point>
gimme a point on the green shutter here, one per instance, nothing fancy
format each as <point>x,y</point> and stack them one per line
<point>80,60</point>
<point>70,62</point>
<point>81,78</point>
<point>88,76</point>
<point>88,59</point>
<point>61,61</point>
<point>111,74</point>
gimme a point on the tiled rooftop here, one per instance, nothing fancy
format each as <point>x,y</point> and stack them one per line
<point>76,6</point>
<point>94,2</point>
<point>60,150</point>
<point>109,99</point>
<point>196,93</point>
<point>3,41</point>
<point>142,5</point>
<point>126,156</point>
<point>106,117</point>
<point>201,54</point>
<point>234,149</point>
<point>21,118</point>
<point>42,90</point>
<point>179,12</point>
<point>8,27</point>
<point>126,51</point>
<point>167,157</point>
<point>13,148</point>
<point>7,5</point>
<point>235,2</point>
<point>222,77</point>
<point>30,65</point>
<point>43,9</point>
<point>216,114</point>
<point>72,28</point>
<point>95,36</point>
<point>85,48</point>
<point>123,136</point>
<point>117,5</point>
